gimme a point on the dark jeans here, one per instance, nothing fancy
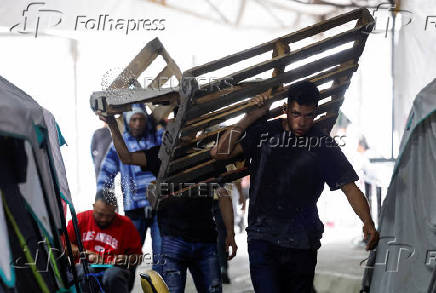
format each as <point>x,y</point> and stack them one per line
<point>142,224</point>
<point>277,269</point>
<point>114,279</point>
<point>201,260</point>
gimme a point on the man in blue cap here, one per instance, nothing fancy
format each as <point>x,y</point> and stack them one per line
<point>140,134</point>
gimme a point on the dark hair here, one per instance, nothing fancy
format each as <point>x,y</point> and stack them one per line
<point>304,93</point>
<point>107,196</point>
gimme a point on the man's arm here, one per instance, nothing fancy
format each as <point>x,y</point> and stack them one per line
<point>226,209</point>
<point>126,157</point>
<point>360,206</point>
<point>228,146</point>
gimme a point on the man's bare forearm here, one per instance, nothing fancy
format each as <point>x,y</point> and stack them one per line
<point>358,202</point>
<point>226,208</point>
<point>120,145</point>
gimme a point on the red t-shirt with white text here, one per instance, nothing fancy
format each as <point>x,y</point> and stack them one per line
<point>119,238</point>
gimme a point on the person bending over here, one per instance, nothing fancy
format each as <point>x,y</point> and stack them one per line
<point>111,242</point>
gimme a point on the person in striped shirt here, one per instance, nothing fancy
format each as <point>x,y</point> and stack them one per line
<point>140,134</point>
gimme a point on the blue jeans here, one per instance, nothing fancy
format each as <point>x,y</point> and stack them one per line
<point>278,269</point>
<point>142,225</point>
<point>200,258</point>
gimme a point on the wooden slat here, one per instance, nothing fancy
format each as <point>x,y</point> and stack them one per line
<point>265,47</point>
<point>205,138</point>
<point>117,100</point>
<point>196,158</point>
<point>200,108</point>
<point>171,64</point>
<point>171,136</point>
<point>138,64</point>
<point>195,174</point>
<point>248,106</point>
<point>319,79</point>
<point>286,77</point>
<point>189,160</point>
<point>208,137</point>
<point>202,171</point>
<point>216,95</point>
<point>224,177</point>
<point>284,60</point>
<point>166,74</point>
<point>331,106</point>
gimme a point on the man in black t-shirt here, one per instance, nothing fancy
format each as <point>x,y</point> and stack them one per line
<point>290,160</point>
<point>186,224</point>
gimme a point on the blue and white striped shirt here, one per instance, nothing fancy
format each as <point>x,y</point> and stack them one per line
<point>134,182</point>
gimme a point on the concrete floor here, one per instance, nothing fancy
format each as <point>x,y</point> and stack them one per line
<point>338,269</point>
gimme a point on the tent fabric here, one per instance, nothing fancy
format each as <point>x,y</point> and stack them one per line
<point>55,140</point>
<point>6,272</point>
<point>406,251</point>
<point>12,170</point>
<point>22,232</point>
<point>31,259</point>
<point>33,194</point>
<point>16,103</point>
<point>30,192</point>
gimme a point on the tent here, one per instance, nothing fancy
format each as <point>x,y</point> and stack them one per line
<point>32,218</point>
<point>406,255</point>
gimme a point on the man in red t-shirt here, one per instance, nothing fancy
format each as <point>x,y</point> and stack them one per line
<point>111,242</point>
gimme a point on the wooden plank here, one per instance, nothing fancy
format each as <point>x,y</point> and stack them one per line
<point>224,177</point>
<point>284,60</point>
<point>331,106</point>
<point>189,160</point>
<point>215,95</point>
<point>265,47</point>
<point>120,99</point>
<point>195,106</point>
<point>165,74</point>
<point>202,171</point>
<point>318,79</point>
<point>215,113</point>
<point>197,173</point>
<point>248,106</point>
<point>171,64</point>
<point>171,136</point>
<point>203,155</point>
<point>196,144</point>
<point>286,77</point>
<point>141,61</point>
<point>208,137</point>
